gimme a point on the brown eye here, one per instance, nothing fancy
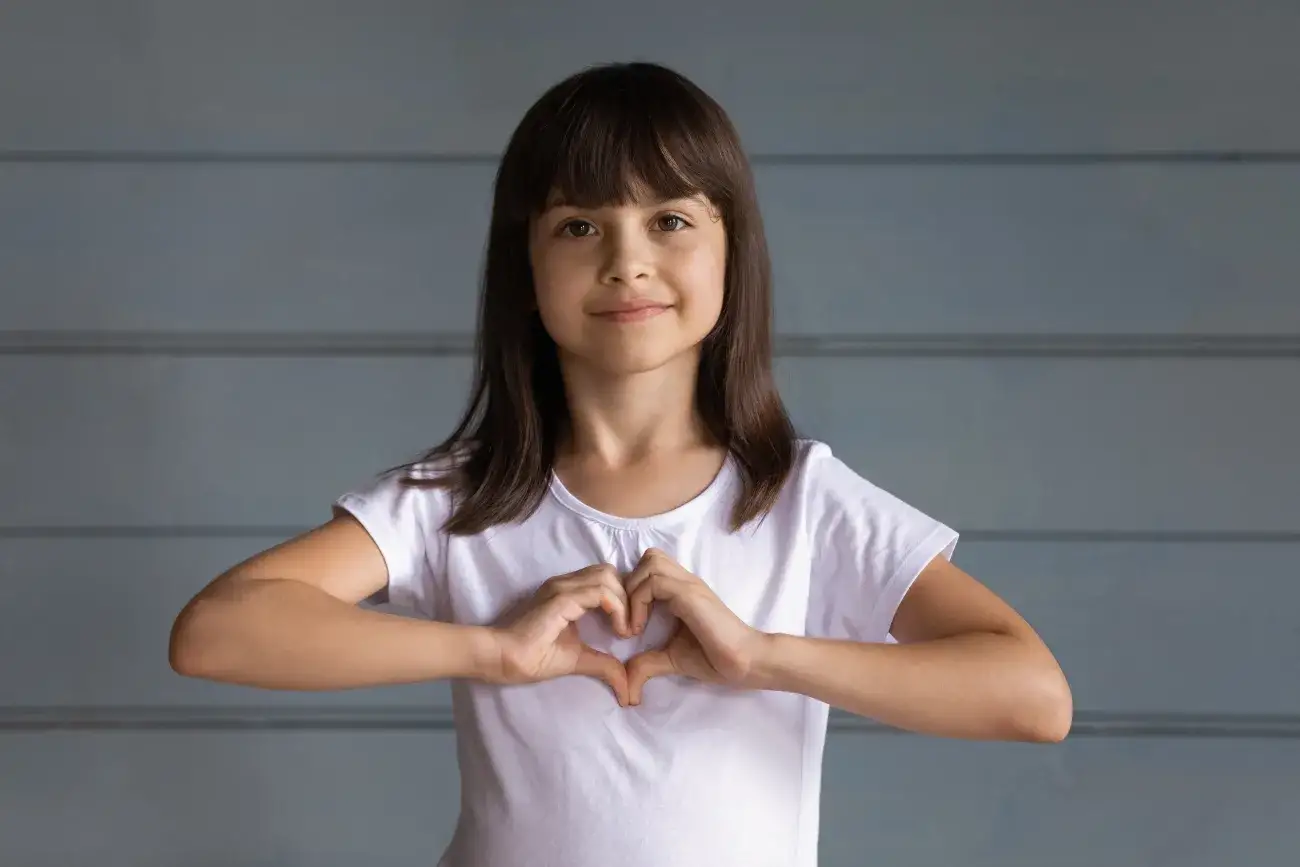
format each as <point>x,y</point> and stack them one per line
<point>681,224</point>
<point>567,226</point>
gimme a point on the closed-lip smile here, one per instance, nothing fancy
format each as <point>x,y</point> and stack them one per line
<point>632,311</point>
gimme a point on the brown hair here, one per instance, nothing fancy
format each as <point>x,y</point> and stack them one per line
<point>600,137</point>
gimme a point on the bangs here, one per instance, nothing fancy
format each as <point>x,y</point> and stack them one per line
<point>622,136</point>
<point>620,160</point>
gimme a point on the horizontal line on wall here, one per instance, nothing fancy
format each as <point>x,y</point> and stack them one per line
<point>959,158</point>
<point>175,718</point>
<point>284,531</point>
<point>1042,345</point>
<point>237,344</point>
<point>313,344</point>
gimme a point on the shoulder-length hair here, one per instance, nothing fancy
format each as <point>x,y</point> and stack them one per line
<point>607,135</point>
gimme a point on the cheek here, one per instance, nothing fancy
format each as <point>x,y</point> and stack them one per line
<point>706,276</point>
<point>558,293</point>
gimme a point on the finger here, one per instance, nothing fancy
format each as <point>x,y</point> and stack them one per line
<point>577,578</point>
<point>616,605</point>
<point>588,571</point>
<point>649,587</point>
<point>570,606</point>
<point>652,560</point>
<point>596,575</point>
<point>602,666</point>
<point>664,580</point>
<point>634,578</point>
<point>642,667</point>
<point>639,599</point>
<point>573,603</point>
<point>616,608</point>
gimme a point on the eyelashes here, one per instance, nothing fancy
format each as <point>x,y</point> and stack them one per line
<point>680,221</point>
<point>679,218</point>
<point>567,225</point>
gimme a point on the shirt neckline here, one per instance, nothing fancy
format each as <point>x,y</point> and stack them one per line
<point>691,509</point>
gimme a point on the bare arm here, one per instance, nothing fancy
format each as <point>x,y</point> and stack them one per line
<point>288,618</point>
<point>967,666</point>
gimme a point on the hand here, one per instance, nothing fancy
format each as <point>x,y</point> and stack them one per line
<point>541,642</point>
<point>711,643</point>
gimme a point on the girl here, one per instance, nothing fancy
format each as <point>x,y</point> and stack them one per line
<point>647,590</point>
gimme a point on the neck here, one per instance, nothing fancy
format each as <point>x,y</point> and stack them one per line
<point>620,419</point>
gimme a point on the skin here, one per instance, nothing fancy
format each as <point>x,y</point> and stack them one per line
<point>589,263</point>
<point>966,664</point>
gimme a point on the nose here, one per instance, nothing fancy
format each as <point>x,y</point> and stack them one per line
<point>627,258</point>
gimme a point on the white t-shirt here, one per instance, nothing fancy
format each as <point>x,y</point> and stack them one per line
<point>697,775</point>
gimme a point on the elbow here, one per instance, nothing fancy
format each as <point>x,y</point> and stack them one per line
<point>190,648</point>
<point>182,652</point>
<point>203,642</point>
<point>1046,714</point>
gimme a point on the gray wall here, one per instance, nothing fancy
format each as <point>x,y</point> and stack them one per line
<point>1037,274</point>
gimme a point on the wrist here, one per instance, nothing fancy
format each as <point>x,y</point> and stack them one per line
<point>765,671</point>
<point>475,653</point>
<point>485,653</point>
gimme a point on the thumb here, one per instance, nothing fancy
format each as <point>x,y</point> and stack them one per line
<point>602,666</point>
<point>643,666</point>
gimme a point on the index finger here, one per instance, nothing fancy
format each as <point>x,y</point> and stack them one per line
<point>618,601</point>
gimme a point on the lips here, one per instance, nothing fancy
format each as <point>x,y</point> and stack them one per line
<point>632,312</point>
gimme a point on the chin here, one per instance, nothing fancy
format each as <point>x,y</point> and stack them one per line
<point>631,360</point>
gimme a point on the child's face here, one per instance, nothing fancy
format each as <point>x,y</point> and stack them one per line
<point>624,289</point>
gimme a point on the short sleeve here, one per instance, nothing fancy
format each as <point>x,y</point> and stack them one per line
<point>868,547</point>
<point>404,522</point>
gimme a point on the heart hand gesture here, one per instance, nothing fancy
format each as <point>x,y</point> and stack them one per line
<point>710,644</point>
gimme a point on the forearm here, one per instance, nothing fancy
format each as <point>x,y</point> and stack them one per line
<point>983,686</point>
<point>281,634</point>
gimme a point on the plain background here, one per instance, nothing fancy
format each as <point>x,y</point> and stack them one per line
<point>1037,274</point>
